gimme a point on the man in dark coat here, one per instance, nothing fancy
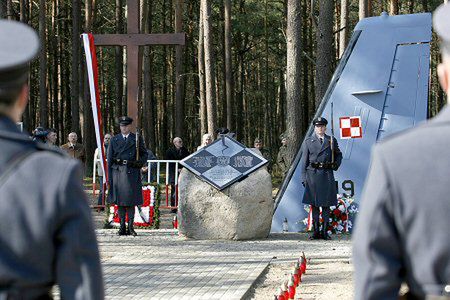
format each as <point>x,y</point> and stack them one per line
<point>125,173</point>
<point>402,234</point>
<point>177,152</point>
<point>46,230</point>
<point>317,168</point>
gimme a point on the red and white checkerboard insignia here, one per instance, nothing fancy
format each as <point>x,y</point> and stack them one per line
<point>350,127</point>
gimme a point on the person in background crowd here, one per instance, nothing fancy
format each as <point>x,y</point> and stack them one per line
<point>51,137</point>
<point>124,167</point>
<point>206,140</point>
<point>258,144</point>
<point>177,152</point>
<point>144,170</point>
<point>74,149</point>
<point>100,174</point>
<point>282,158</point>
<point>401,235</point>
<point>39,135</point>
<point>47,235</point>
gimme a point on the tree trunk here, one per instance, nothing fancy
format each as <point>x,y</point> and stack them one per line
<point>393,7</point>
<point>228,65</point>
<point>221,79</point>
<point>55,63</point>
<point>201,75</point>
<point>179,79</point>
<point>363,9</point>
<point>149,117</point>
<point>411,7</point>
<point>343,35</point>
<point>209,66</point>
<point>324,50</point>
<point>23,18</point>
<point>118,56</point>
<point>9,10</point>
<point>425,5</point>
<point>164,133</point>
<point>3,9</point>
<point>88,119</point>
<point>42,66</point>
<point>76,23</point>
<point>293,78</point>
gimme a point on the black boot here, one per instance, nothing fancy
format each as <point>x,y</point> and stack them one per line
<point>326,221</point>
<point>122,229</point>
<point>316,233</point>
<point>324,233</point>
<point>122,215</point>
<point>130,230</point>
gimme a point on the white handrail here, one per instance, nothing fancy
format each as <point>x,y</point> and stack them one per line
<point>149,171</point>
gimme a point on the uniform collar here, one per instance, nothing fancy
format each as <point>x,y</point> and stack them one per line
<point>6,124</point>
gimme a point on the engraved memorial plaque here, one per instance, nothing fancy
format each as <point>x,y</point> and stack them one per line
<point>223,162</point>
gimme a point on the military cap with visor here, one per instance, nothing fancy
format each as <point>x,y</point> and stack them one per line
<point>125,120</point>
<point>19,44</point>
<point>320,121</point>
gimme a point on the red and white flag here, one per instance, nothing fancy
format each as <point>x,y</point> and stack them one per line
<point>351,127</point>
<point>92,69</point>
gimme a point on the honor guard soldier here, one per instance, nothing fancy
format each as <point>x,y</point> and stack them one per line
<point>402,230</point>
<point>320,157</point>
<point>126,156</point>
<point>46,231</point>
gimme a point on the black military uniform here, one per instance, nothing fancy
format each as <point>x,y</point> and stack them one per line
<point>125,175</point>
<point>317,176</point>
<point>46,231</point>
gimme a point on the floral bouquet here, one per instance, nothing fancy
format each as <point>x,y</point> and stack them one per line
<point>342,215</point>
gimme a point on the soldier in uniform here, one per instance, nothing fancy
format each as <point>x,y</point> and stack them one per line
<point>402,229</point>
<point>46,231</point>
<point>258,144</point>
<point>282,158</point>
<point>317,175</point>
<point>125,173</point>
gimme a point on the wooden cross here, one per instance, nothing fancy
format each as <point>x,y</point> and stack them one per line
<point>132,40</point>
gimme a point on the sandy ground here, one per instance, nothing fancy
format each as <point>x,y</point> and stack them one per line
<point>324,279</point>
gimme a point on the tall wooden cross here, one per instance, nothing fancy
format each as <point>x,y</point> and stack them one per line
<point>132,40</point>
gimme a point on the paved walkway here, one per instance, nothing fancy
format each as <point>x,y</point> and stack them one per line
<point>161,265</point>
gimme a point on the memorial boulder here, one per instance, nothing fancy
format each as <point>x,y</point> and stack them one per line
<point>225,193</point>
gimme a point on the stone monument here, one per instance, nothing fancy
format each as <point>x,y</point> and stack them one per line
<point>225,193</point>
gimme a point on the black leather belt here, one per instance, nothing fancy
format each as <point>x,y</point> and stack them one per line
<point>120,161</point>
<point>321,165</point>
<point>129,163</point>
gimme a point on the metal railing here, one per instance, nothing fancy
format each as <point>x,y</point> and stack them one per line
<point>159,165</point>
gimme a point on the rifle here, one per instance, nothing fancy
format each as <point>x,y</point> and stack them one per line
<point>137,144</point>
<point>332,135</point>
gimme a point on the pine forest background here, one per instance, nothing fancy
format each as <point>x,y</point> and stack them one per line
<point>268,63</point>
